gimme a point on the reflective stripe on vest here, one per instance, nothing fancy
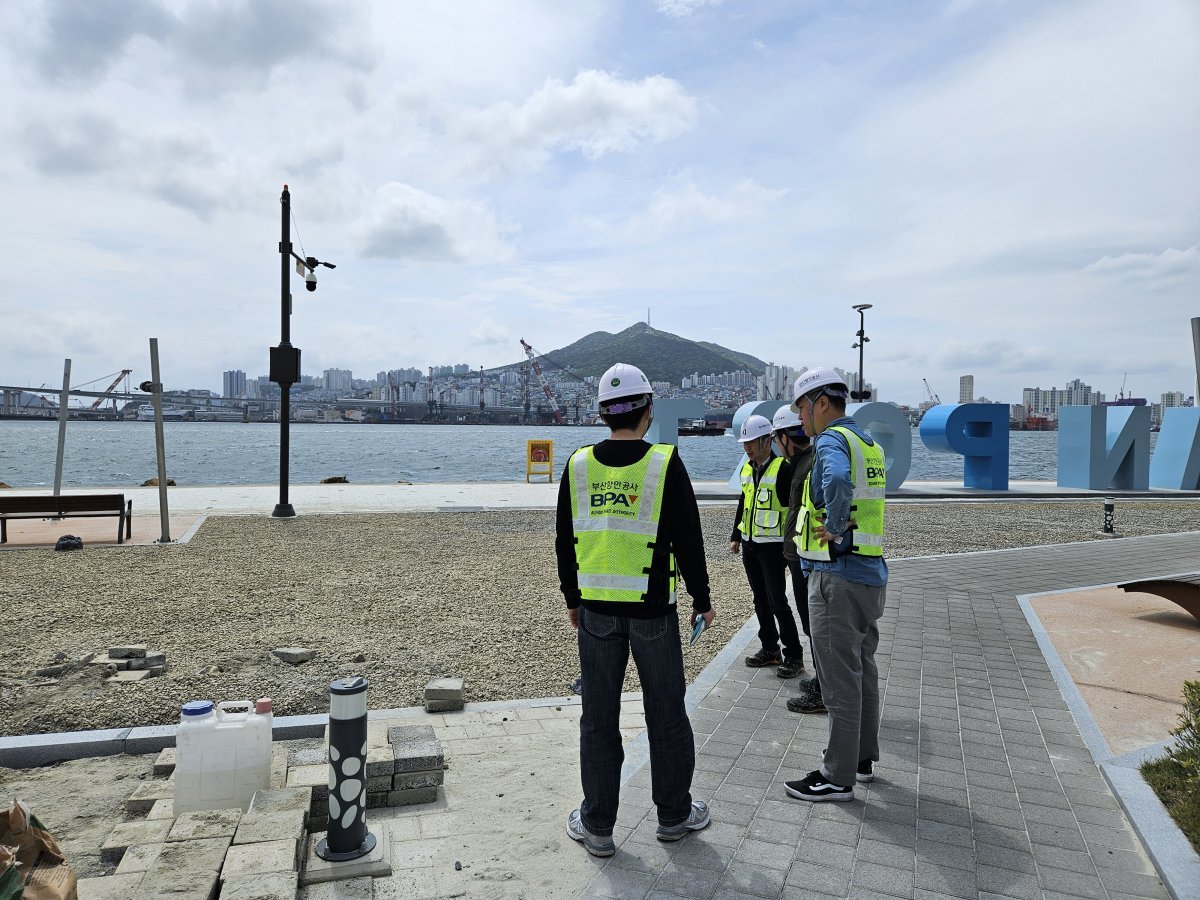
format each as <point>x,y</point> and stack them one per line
<point>615,514</point>
<point>762,510</point>
<point>868,472</point>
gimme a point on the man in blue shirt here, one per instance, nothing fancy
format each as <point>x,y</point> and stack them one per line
<point>840,544</point>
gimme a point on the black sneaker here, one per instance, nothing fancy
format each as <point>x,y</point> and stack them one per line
<point>866,770</point>
<point>810,704</point>
<point>809,685</point>
<point>764,658</point>
<point>791,668</point>
<point>816,787</point>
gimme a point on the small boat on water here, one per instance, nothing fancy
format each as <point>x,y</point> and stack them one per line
<point>700,427</point>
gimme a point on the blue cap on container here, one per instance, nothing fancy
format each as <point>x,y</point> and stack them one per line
<point>197,708</point>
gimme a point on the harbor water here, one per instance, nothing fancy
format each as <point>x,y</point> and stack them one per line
<point>118,454</point>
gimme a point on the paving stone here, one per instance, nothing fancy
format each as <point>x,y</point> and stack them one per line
<point>411,780</point>
<point>884,879</point>
<point>267,856</point>
<point>164,764</point>
<point>1065,881</point>
<point>415,748</point>
<point>297,797</point>
<point>444,689</point>
<point>199,855</point>
<point>307,756</point>
<point>128,834</point>
<point>184,884</point>
<point>349,889</point>
<point>162,809</point>
<point>208,823</point>
<point>687,881</point>
<point>822,878</point>
<point>380,762</point>
<point>127,651</point>
<point>139,858</point>
<point>293,655</point>
<point>264,886</point>
<point>412,796</point>
<point>613,881</point>
<point>110,887</point>
<point>1007,883</point>
<point>743,879</point>
<point>128,676</point>
<point>144,796</point>
<point>273,825</point>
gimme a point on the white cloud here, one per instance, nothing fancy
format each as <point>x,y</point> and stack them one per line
<point>489,332</point>
<point>681,9</point>
<point>409,223</point>
<point>596,114</point>
<point>688,208</point>
<point>1151,269</point>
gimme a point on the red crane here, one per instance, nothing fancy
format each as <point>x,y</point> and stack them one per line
<point>537,370</point>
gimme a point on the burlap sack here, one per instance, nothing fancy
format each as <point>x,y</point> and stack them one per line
<point>32,867</point>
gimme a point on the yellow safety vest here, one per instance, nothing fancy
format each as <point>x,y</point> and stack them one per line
<point>763,513</point>
<point>615,513</point>
<point>869,474</point>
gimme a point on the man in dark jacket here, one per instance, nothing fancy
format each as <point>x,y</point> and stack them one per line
<point>627,515</point>
<point>798,451</point>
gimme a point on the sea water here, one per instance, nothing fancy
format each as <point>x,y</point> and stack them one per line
<point>121,454</point>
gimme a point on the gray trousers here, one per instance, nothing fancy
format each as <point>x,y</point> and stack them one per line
<point>842,616</point>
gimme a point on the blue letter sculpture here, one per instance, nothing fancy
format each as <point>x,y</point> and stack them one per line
<point>979,431</point>
<point>667,413</point>
<point>890,428</point>
<point>766,408</point>
<point>1102,448</point>
<point>1176,462</point>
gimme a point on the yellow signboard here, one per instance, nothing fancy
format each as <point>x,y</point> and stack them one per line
<point>539,459</point>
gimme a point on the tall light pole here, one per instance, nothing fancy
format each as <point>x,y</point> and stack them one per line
<point>862,308</point>
<point>285,359</point>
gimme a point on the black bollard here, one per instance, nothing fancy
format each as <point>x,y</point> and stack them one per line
<point>347,837</point>
<point>1109,505</point>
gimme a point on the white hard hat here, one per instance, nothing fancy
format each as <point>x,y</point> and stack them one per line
<point>753,428</point>
<point>785,419</point>
<point>623,380</point>
<point>813,379</point>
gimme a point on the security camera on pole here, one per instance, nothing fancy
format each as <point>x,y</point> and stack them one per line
<point>859,345</point>
<point>285,359</point>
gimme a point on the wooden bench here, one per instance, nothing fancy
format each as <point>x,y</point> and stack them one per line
<point>1182,589</point>
<point>67,505</point>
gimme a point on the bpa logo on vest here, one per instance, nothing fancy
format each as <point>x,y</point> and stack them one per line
<point>614,499</point>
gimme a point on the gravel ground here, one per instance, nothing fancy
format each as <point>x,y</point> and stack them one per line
<point>399,598</point>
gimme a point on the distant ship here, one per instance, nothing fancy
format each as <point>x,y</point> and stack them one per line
<point>169,413</point>
<point>700,426</point>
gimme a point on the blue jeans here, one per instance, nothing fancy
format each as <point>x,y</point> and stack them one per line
<point>604,646</point>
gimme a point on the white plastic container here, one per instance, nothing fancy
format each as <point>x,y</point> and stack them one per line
<point>222,755</point>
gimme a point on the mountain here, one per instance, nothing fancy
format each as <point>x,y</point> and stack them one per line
<point>661,355</point>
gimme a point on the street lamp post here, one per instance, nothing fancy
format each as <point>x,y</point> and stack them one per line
<point>862,308</point>
<point>285,359</point>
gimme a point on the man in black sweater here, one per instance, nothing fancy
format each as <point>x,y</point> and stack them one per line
<point>627,517</point>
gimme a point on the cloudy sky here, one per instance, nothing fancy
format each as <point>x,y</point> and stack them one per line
<point>1013,185</point>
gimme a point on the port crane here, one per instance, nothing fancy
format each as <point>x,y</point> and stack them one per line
<point>932,396</point>
<point>1121,394</point>
<point>537,370</point>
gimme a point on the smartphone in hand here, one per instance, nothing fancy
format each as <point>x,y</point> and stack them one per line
<point>696,629</point>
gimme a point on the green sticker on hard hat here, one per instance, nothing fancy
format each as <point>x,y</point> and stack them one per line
<point>615,382</point>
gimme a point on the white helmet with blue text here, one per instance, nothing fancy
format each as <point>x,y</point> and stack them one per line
<point>819,378</point>
<point>785,419</point>
<point>754,428</point>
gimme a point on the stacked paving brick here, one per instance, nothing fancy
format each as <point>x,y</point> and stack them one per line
<point>405,766</point>
<point>243,855</point>
<point>132,662</point>
<point>444,695</point>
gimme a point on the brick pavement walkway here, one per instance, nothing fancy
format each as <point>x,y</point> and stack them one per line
<point>985,788</point>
